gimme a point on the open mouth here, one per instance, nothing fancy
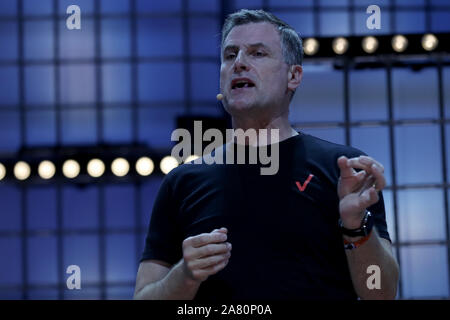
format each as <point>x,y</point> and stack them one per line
<point>241,83</point>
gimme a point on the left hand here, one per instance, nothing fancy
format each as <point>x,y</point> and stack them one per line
<point>358,190</point>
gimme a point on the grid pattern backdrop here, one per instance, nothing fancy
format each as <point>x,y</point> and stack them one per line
<point>135,65</point>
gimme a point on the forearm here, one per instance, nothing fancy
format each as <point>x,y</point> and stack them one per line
<point>373,252</point>
<point>174,286</point>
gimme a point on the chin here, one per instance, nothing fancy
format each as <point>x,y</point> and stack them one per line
<point>238,107</point>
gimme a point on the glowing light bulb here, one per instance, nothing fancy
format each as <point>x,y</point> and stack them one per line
<point>2,171</point>
<point>167,164</point>
<point>145,166</point>
<point>192,157</point>
<point>46,169</point>
<point>370,44</point>
<point>340,45</point>
<point>429,42</point>
<point>96,168</point>
<point>311,46</point>
<point>22,170</point>
<point>120,167</point>
<point>399,43</point>
<point>71,169</point>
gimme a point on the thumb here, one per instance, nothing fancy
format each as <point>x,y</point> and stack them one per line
<point>346,170</point>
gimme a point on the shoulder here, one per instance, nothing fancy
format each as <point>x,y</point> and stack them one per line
<point>328,150</point>
<point>322,155</point>
<point>193,173</point>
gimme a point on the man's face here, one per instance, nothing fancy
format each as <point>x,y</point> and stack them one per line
<point>253,74</point>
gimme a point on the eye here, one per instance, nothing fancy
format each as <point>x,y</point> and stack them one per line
<point>259,53</point>
<point>229,56</point>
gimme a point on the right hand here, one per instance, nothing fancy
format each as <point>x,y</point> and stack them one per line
<point>206,254</point>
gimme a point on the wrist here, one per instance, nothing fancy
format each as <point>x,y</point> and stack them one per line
<point>364,228</point>
<point>356,243</point>
<point>353,222</point>
<point>351,239</point>
<point>187,280</point>
<point>191,284</point>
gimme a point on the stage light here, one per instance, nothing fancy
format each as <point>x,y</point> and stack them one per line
<point>311,46</point>
<point>2,171</point>
<point>167,164</point>
<point>429,42</point>
<point>340,45</point>
<point>145,166</point>
<point>370,44</point>
<point>22,170</point>
<point>46,169</point>
<point>71,169</point>
<point>399,43</point>
<point>192,157</point>
<point>96,168</point>
<point>120,167</point>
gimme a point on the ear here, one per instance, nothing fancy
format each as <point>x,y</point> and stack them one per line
<point>295,75</point>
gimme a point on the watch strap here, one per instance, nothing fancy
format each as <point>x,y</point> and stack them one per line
<point>365,228</point>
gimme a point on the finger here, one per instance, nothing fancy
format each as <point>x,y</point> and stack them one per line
<point>209,250</point>
<point>204,273</point>
<point>361,176</point>
<point>346,170</point>
<point>368,183</point>
<point>223,230</point>
<point>209,261</point>
<point>364,163</point>
<point>355,163</point>
<point>362,182</point>
<point>375,179</point>
<point>206,238</point>
<point>369,197</point>
<point>369,161</point>
<point>380,180</point>
<point>213,249</point>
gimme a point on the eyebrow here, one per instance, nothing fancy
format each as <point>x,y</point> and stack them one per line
<point>253,45</point>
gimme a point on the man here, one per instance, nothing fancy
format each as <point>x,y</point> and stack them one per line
<point>222,232</point>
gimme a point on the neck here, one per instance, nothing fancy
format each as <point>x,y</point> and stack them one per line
<point>279,122</point>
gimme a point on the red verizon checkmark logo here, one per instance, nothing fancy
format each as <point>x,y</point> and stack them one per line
<point>303,187</point>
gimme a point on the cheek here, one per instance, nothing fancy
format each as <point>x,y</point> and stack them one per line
<point>274,76</point>
<point>275,82</point>
<point>223,78</point>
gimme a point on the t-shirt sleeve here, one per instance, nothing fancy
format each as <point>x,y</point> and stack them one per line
<point>163,239</point>
<point>379,215</point>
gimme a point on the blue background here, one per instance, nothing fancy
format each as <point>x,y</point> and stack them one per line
<point>149,55</point>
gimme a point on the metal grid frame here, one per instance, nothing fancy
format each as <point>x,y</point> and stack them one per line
<point>134,60</point>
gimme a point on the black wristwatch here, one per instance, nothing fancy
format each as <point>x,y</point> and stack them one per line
<point>363,230</point>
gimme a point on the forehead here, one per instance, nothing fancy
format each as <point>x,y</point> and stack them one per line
<point>261,32</point>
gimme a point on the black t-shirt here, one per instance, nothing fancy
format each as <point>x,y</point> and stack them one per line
<point>284,231</point>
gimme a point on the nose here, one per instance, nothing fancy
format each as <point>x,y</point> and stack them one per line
<point>240,63</point>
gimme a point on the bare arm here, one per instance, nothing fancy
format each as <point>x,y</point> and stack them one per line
<point>375,252</point>
<point>157,281</point>
<point>203,255</point>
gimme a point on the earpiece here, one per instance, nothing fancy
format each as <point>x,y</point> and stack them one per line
<point>219,96</point>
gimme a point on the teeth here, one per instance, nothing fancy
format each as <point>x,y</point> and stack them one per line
<point>241,84</point>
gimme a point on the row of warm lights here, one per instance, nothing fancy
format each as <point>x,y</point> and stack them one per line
<point>370,44</point>
<point>95,168</point>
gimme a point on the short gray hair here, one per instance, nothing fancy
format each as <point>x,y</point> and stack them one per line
<point>291,43</point>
